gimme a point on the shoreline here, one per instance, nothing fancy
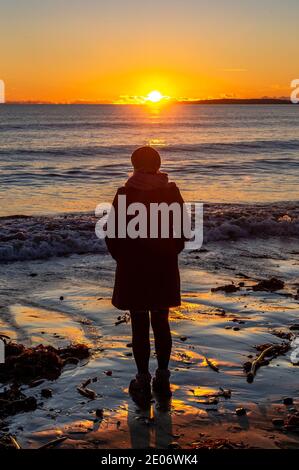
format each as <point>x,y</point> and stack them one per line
<point>223,327</point>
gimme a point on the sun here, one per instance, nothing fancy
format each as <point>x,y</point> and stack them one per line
<point>154,96</point>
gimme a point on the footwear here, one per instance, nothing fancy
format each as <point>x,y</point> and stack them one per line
<point>140,389</point>
<point>161,383</point>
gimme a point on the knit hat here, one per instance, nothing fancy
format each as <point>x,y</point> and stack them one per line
<point>146,158</point>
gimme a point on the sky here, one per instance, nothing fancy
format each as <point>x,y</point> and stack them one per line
<point>111,51</point>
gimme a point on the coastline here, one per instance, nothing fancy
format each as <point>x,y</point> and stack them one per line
<point>225,327</point>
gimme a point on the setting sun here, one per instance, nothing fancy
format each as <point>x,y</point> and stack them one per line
<point>154,96</point>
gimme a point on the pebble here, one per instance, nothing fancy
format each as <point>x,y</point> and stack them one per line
<point>277,421</point>
<point>61,297</point>
<point>100,413</point>
<point>174,445</point>
<point>295,326</point>
<point>288,401</point>
<point>240,411</point>
<point>46,392</point>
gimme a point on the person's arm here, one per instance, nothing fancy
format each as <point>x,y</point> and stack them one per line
<point>180,242</point>
<point>114,244</point>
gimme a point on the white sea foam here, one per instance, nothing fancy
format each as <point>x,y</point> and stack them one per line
<point>27,238</point>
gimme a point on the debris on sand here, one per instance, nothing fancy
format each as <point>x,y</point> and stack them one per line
<point>26,364</point>
<point>100,413</point>
<point>288,401</point>
<point>53,443</point>
<point>224,393</point>
<point>283,334</point>
<point>227,288</point>
<point>125,318</point>
<point>294,327</point>
<point>13,401</point>
<point>291,423</point>
<point>211,364</point>
<point>270,285</point>
<point>267,353</point>
<point>241,411</point>
<point>46,393</point>
<point>7,441</point>
<point>87,392</point>
<point>217,444</point>
<point>277,422</point>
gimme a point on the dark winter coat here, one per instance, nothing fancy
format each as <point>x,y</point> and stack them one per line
<point>147,275</point>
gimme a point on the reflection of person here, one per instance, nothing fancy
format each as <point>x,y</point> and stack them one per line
<point>158,430</point>
<point>147,276</point>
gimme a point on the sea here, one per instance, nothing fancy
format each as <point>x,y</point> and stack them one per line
<point>58,162</point>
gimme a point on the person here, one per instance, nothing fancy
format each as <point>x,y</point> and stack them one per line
<point>147,281</point>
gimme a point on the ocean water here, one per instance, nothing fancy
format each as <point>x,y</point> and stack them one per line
<point>58,162</point>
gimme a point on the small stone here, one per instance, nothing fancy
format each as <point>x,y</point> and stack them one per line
<point>241,284</point>
<point>236,328</point>
<point>293,420</point>
<point>100,413</point>
<point>46,392</point>
<point>240,411</point>
<point>174,445</point>
<point>183,338</point>
<point>108,372</point>
<point>295,326</point>
<point>288,401</point>
<point>33,274</point>
<point>61,297</point>
<point>277,422</point>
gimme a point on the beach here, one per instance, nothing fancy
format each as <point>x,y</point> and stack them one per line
<point>56,276</point>
<point>225,328</point>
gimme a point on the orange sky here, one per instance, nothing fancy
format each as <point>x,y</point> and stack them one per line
<point>92,50</point>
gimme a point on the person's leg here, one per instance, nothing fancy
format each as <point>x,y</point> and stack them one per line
<point>140,340</point>
<point>162,335</point>
<point>140,387</point>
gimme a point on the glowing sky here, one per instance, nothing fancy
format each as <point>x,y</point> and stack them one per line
<point>100,50</point>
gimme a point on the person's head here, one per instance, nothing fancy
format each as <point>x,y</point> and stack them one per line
<point>146,159</point>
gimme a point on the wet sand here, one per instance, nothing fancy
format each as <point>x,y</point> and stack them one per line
<point>223,327</point>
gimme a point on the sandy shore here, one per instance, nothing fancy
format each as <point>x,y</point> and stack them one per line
<point>223,327</point>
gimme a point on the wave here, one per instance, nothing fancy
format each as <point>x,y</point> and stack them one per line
<point>30,238</point>
<point>251,146</point>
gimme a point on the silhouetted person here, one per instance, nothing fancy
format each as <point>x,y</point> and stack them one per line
<point>147,280</point>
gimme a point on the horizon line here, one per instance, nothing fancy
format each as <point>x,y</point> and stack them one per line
<point>262,100</point>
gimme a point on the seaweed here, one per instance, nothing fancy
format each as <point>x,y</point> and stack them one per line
<point>23,365</point>
<point>270,285</point>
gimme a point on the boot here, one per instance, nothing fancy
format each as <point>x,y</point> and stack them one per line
<point>140,389</point>
<point>161,384</point>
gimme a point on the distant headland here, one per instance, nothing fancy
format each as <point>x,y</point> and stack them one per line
<point>220,101</point>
